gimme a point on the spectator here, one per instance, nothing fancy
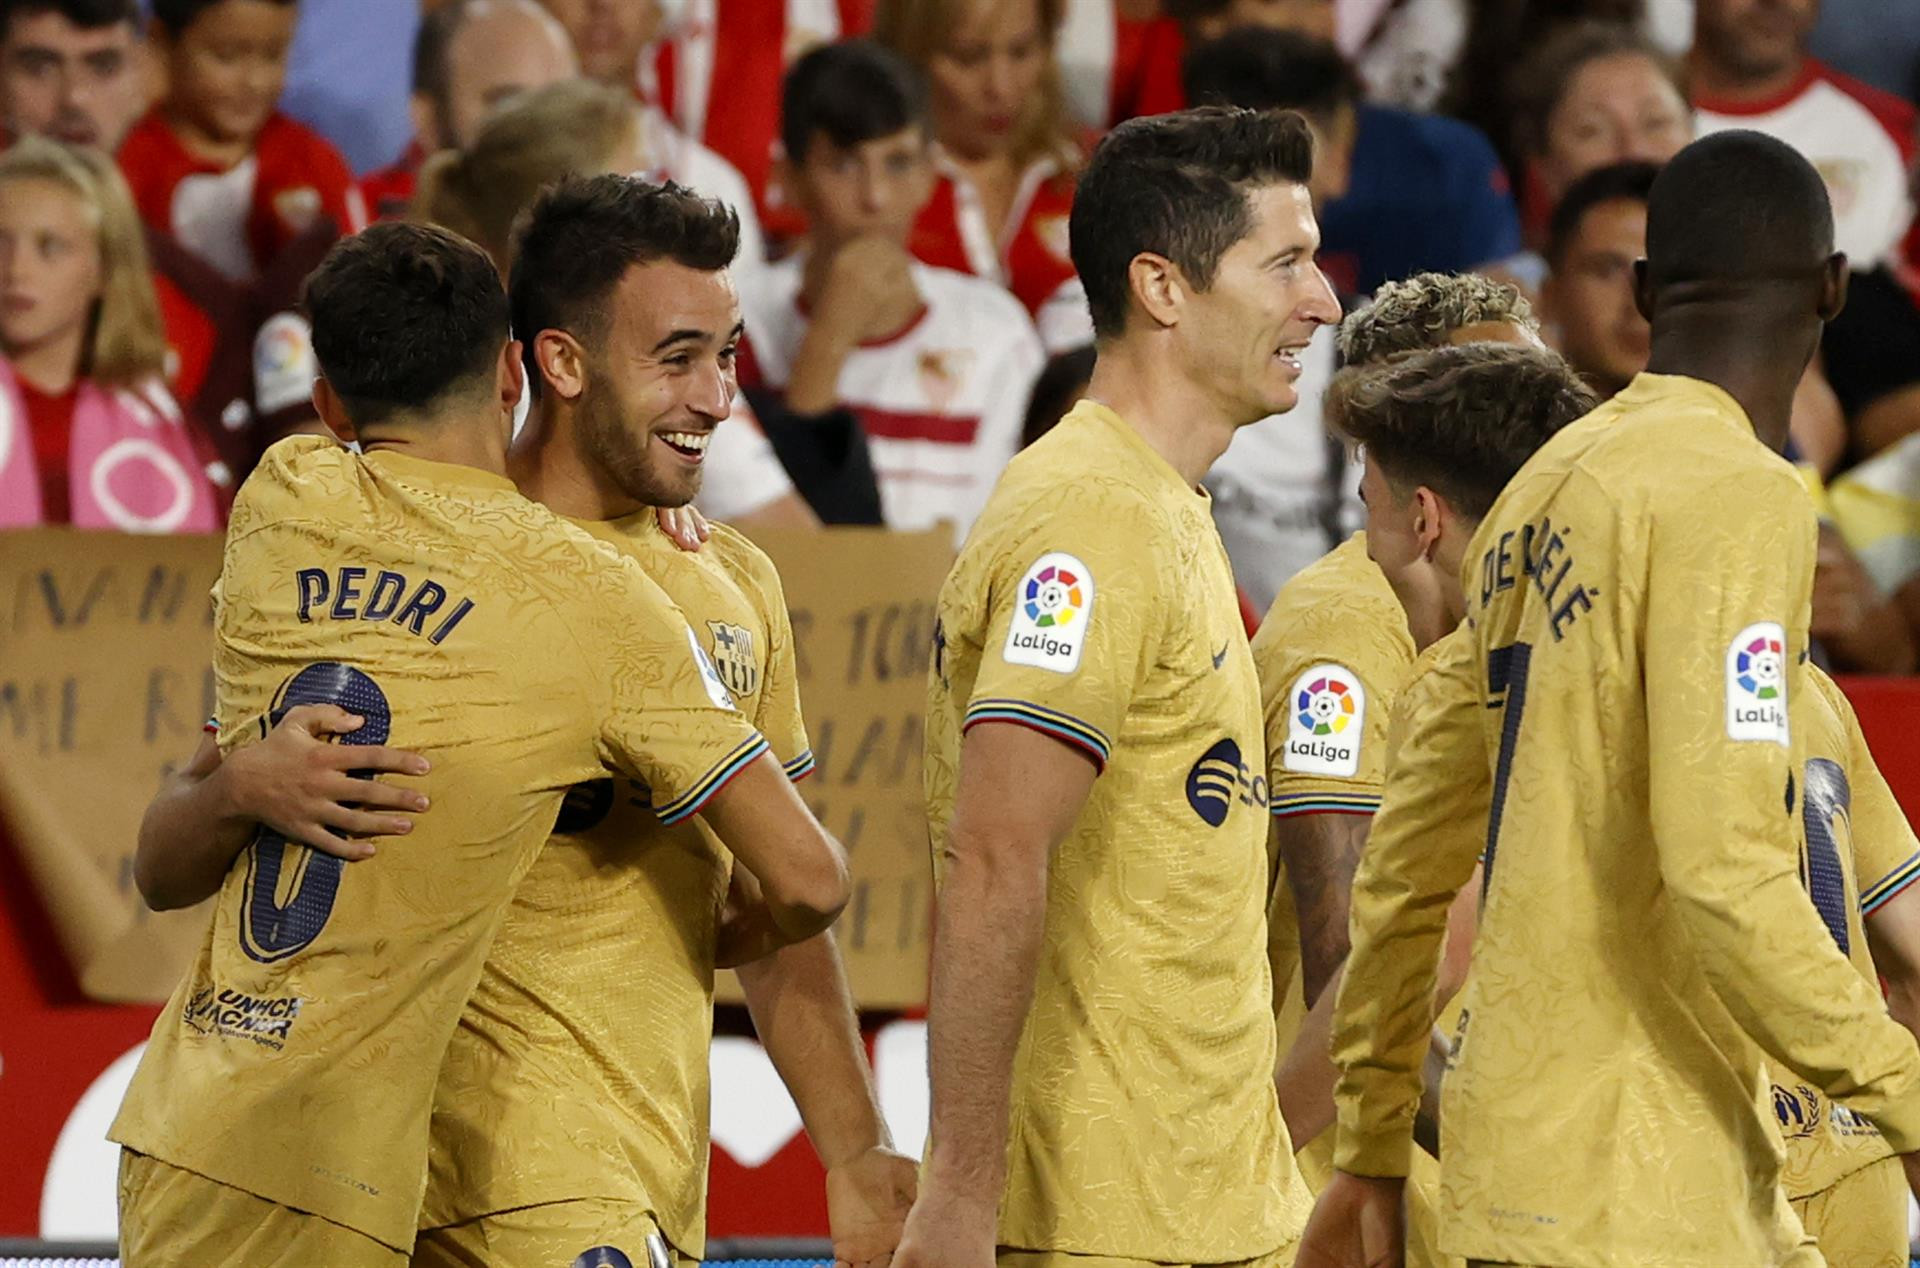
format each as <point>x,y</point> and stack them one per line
<point>717,72</point>
<point>1006,162</point>
<point>71,69</point>
<point>609,35</point>
<point>583,128</point>
<point>469,56</point>
<point>1592,94</point>
<point>105,445</point>
<point>1750,69</point>
<point>934,363</point>
<point>1398,193</point>
<point>1599,230</point>
<point>215,165</point>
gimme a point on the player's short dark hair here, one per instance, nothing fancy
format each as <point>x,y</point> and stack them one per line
<point>1631,181</point>
<point>582,234</point>
<point>1737,208</point>
<point>88,15</point>
<point>1458,420</point>
<point>1176,185</point>
<point>404,315</point>
<point>177,15</point>
<point>1262,69</point>
<point>851,92</point>
<point>1412,314</point>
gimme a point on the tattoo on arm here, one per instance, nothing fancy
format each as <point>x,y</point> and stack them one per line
<point>1321,852</point>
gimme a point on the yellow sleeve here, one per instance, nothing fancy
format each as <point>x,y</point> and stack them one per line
<point>1886,856</point>
<point>670,721</point>
<point>780,719</point>
<point>1725,582</point>
<point>1422,849</point>
<point>1326,692</point>
<point>1074,618</point>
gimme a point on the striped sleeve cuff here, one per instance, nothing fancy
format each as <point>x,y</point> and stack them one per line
<point>1881,892</point>
<point>1090,740</point>
<point>690,801</point>
<point>1323,803</point>
<point>800,767</point>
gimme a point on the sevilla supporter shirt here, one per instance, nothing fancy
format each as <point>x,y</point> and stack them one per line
<point>1619,705</point>
<point>1144,1123</point>
<point>1857,853</point>
<point>1860,139</point>
<point>239,219</point>
<point>580,1067</point>
<point>298,1057</point>
<point>941,402</point>
<point>1027,255</point>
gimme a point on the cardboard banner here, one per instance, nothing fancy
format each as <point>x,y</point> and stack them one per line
<point>105,682</point>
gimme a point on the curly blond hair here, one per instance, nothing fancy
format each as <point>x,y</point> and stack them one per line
<point>1419,312</point>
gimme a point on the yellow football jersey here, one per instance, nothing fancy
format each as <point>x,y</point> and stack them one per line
<point>1332,653</point>
<point>1093,602</point>
<point>1850,827</point>
<point>580,1068</point>
<point>298,1057</point>
<point>1638,605</point>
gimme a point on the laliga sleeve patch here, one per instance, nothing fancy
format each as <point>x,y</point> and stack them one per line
<point>1757,683</point>
<point>283,364</point>
<point>1327,719</point>
<point>709,676</point>
<point>1052,610</point>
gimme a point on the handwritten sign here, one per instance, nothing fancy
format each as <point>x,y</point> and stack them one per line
<point>862,601</point>
<point>104,684</point>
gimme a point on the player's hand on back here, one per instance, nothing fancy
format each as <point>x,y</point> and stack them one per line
<point>298,782</point>
<point>867,1204</point>
<point>1359,1222</point>
<point>948,1230</point>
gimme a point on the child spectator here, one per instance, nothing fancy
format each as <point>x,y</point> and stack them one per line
<point>1006,161</point>
<point>215,165</point>
<point>88,434</point>
<point>934,363</point>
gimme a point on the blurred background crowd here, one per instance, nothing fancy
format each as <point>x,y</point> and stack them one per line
<point>904,171</point>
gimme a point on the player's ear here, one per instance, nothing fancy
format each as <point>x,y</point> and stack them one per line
<point>562,363</point>
<point>1833,286</point>
<point>333,411</point>
<point>1429,520</point>
<point>1642,289</point>
<point>511,374</point>
<point>1157,286</point>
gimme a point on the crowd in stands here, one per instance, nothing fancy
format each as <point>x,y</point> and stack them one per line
<point>904,171</point>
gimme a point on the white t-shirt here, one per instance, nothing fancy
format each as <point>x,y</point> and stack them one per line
<point>1852,134</point>
<point>1278,500</point>
<point>941,402</point>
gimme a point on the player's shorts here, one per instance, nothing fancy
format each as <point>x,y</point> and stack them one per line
<point>1861,1222</point>
<point>587,1233</point>
<point>1005,1258</point>
<point>169,1217</point>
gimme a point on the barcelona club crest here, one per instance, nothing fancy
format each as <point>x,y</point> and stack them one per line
<point>734,658</point>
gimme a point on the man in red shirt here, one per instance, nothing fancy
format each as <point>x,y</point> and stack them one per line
<point>70,69</point>
<point>215,165</point>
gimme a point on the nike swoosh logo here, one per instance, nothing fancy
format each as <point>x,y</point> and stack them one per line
<point>1220,657</point>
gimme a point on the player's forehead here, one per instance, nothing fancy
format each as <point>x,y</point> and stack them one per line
<point>1279,220</point>
<point>659,298</point>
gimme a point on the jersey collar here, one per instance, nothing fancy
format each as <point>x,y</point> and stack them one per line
<point>1658,389</point>
<point>436,475</point>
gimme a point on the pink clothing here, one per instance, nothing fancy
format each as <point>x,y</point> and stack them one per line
<point>133,466</point>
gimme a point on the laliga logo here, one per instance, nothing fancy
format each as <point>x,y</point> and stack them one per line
<point>1053,601</point>
<point>1758,666</point>
<point>1325,707</point>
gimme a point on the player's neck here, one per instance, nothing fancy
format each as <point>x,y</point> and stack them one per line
<point>1722,354</point>
<point>437,438</point>
<point>554,474</point>
<point>1166,411</point>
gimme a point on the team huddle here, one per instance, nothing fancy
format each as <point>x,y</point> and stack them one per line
<point>1521,894</point>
